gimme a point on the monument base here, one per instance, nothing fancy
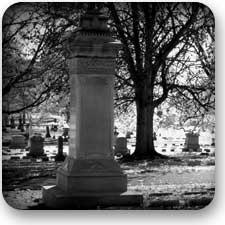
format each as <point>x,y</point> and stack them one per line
<point>91,176</point>
<point>55,198</point>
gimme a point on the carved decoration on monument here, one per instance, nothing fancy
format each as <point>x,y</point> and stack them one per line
<point>92,66</point>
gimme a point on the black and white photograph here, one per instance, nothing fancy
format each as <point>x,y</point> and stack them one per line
<point>108,106</point>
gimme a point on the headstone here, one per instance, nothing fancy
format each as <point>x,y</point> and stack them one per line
<point>185,150</point>
<point>213,142</point>
<point>65,134</point>
<point>60,156</point>
<point>154,136</point>
<point>20,126</point>
<point>18,141</point>
<point>198,150</point>
<point>14,157</point>
<point>6,141</point>
<point>12,122</point>
<point>47,132</point>
<point>121,146</point>
<point>4,129</point>
<point>115,134</point>
<point>5,121</point>
<point>27,130</point>
<point>36,145</point>
<point>192,141</point>
<point>207,150</point>
<point>89,176</point>
<point>204,154</point>
<point>54,126</point>
<point>128,134</point>
<point>30,129</point>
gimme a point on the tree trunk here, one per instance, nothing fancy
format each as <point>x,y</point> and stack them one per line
<point>145,111</point>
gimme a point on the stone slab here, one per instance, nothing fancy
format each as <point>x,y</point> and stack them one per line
<point>55,198</point>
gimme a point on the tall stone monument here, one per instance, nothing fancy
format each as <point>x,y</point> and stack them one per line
<point>90,176</point>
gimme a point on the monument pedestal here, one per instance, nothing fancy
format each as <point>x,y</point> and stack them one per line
<point>91,175</point>
<point>89,183</point>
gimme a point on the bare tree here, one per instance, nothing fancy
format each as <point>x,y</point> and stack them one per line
<point>159,61</point>
<point>34,65</point>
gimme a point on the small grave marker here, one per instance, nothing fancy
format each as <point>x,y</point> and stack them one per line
<point>36,145</point>
<point>60,156</point>
<point>121,146</point>
<point>18,141</point>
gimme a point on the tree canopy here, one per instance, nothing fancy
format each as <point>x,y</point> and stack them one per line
<point>167,56</point>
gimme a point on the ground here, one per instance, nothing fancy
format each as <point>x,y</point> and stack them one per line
<point>183,182</point>
<point>186,180</point>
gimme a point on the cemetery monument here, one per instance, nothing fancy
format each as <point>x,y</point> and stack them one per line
<point>90,176</point>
